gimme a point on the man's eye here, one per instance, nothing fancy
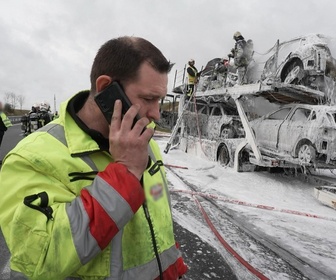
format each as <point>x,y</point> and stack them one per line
<point>148,99</point>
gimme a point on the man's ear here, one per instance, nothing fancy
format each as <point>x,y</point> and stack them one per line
<point>102,82</point>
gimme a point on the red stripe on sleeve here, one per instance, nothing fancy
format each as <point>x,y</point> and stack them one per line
<point>174,271</point>
<point>102,227</point>
<point>125,183</point>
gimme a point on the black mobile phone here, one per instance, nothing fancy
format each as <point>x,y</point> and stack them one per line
<point>107,97</point>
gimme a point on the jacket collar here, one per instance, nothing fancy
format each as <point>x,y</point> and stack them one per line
<point>80,139</point>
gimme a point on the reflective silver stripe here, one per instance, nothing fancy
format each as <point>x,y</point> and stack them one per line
<point>86,245</point>
<point>5,120</point>
<point>113,203</point>
<point>149,270</point>
<point>116,267</point>
<point>7,123</point>
<point>56,131</point>
<point>89,162</point>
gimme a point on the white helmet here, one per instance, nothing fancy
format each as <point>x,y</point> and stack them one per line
<point>191,61</point>
<point>236,34</point>
<point>44,106</point>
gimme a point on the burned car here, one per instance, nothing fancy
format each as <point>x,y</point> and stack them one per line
<point>215,120</point>
<point>216,74</point>
<point>305,132</point>
<point>303,61</point>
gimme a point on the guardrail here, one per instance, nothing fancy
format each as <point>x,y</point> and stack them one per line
<point>15,119</point>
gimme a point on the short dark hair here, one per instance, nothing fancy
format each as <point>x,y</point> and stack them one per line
<point>122,57</point>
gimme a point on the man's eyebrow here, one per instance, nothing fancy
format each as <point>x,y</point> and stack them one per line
<point>152,95</point>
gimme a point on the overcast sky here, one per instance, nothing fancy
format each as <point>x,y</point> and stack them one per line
<point>47,47</point>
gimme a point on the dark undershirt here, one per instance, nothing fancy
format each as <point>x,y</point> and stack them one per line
<point>74,105</point>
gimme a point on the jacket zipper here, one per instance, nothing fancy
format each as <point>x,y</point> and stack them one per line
<point>149,221</point>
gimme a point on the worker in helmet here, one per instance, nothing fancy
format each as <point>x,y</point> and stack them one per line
<point>224,69</point>
<point>33,118</point>
<point>192,78</point>
<point>220,72</point>
<point>240,59</point>
<point>44,117</point>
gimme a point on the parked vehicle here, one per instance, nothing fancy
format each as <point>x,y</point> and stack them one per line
<point>304,61</point>
<point>215,120</point>
<point>169,111</point>
<point>305,132</point>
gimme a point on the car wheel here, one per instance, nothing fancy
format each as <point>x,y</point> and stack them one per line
<point>227,132</point>
<point>306,154</point>
<point>293,73</point>
<point>223,155</point>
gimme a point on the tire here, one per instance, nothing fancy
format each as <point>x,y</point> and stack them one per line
<point>306,154</point>
<point>227,132</point>
<point>293,73</point>
<point>223,155</point>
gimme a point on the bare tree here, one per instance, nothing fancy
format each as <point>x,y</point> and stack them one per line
<point>21,100</point>
<point>8,108</point>
<point>11,98</point>
<point>7,97</point>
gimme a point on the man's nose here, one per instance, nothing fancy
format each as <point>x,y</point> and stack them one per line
<point>154,112</point>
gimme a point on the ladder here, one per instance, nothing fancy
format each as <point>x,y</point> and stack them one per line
<point>179,121</point>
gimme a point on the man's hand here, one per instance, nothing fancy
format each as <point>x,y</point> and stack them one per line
<point>128,146</point>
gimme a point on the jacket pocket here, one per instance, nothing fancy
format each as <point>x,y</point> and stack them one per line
<point>28,239</point>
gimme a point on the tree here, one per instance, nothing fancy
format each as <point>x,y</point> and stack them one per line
<point>8,108</point>
<point>14,100</point>
<point>7,97</point>
<point>21,100</point>
<point>11,98</point>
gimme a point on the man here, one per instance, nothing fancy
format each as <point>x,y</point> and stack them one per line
<point>44,117</point>
<point>221,72</point>
<point>91,199</point>
<point>240,59</point>
<point>192,78</point>
<point>33,118</point>
<point>4,124</point>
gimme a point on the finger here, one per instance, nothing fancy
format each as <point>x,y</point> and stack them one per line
<point>128,119</point>
<point>116,116</point>
<point>147,134</point>
<point>139,126</point>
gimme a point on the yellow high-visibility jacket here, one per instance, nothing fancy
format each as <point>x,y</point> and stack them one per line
<point>67,210</point>
<point>5,120</point>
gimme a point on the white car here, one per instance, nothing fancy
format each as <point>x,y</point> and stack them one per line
<point>306,132</point>
<point>215,120</point>
<point>302,61</point>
